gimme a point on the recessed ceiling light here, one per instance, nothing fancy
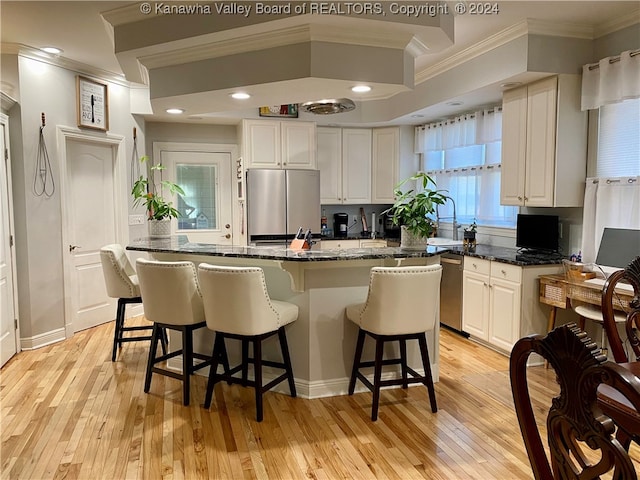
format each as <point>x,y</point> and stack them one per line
<point>417,115</point>
<point>240,95</point>
<point>454,103</point>
<point>174,111</point>
<point>361,88</point>
<point>52,50</point>
<point>510,84</point>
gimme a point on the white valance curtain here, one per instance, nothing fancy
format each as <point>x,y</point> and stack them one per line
<point>611,80</point>
<point>608,202</point>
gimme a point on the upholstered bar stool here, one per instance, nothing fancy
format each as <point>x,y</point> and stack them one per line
<point>122,283</point>
<point>171,300</point>
<point>402,304</point>
<point>237,306</point>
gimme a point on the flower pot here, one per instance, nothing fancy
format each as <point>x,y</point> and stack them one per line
<point>159,228</point>
<point>411,241</point>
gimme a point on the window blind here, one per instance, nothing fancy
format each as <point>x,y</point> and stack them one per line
<point>619,139</point>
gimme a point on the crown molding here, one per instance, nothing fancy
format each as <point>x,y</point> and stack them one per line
<point>62,62</point>
<point>6,101</point>
<point>507,35</point>
<point>559,29</point>
<point>123,15</point>
<point>611,26</point>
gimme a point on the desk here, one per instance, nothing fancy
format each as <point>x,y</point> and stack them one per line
<point>557,291</point>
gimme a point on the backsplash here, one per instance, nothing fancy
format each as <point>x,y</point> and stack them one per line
<point>354,210</point>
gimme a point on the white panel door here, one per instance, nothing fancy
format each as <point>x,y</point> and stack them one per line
<point>206,178</point>
<point>8,345</point>
<point>91,219</point>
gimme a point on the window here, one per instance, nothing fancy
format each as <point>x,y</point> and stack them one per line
<point>462,155</point>
<point>619,140</point>
<point>198,206</point>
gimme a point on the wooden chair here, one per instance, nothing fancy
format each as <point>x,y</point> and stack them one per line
<point>575,423</point>
<point>612,403</point>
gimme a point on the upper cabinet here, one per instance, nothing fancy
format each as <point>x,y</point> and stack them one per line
<point>393,160</point>
<point>544,144</point>
<point>344,161</point>
<point>363,165</point>
<point>276,144</point>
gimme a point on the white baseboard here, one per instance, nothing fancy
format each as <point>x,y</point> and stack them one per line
<point>43,339</point>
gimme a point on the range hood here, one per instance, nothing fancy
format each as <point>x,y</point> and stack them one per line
<point>329,106</point>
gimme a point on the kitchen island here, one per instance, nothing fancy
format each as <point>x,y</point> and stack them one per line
<point>322,283</point>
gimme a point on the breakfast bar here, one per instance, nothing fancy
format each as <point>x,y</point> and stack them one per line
<point>321,283</point>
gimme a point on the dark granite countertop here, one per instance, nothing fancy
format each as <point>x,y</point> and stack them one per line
<point>507,255</point>
<point>181,244</point>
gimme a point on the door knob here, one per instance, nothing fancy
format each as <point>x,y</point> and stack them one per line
<point>228,235</point>
<point>73,247</point>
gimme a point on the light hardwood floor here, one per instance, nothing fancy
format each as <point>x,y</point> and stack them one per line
<point>69,412</point>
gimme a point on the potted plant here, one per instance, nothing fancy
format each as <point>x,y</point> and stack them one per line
<point>411,208</point>
<point>469,239</point>
<point>147,192</point>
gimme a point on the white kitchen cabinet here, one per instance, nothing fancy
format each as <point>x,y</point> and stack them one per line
<point>500,301</point>
<point>373,243</point>
<point>393,160</point>
<point>544,144</point>
<point>339,244</point>
<point>344,161</point>
<point>275,144</point>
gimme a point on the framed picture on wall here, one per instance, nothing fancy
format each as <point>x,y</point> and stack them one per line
<point>288,111</point>
<point>93,104</point>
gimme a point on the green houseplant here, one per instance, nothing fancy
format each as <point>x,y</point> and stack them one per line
<point>412,207</point>
<point>147,192</point>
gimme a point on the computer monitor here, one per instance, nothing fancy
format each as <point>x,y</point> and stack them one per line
<point>618,247</point>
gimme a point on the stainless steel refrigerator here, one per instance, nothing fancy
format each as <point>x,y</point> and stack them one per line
<point>279,202</point>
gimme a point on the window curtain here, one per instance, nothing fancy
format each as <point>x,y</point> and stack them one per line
<point>608,202</point>
<point>611,80</point>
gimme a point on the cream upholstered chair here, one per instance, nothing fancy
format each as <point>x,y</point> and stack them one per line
<point>171,300</point>
<point>122,283</point>
<point>237,306</point>
<point>402,305</point>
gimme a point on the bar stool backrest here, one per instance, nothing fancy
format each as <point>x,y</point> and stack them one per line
<point>402,300</point>
<point>236,300</point>
<point>119,276</point>
<point>170,292</point>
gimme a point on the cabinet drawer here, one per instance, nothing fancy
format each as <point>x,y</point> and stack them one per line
<point>474,264</point>
<point>505,271</point>
<point>373,243</point>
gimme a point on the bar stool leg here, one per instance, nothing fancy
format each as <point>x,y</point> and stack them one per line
<point>257,365</point>
<point>187,362</point>
<point>422,339</point>
<point>403,362</point>
<point>377,375</point>
<point>245,361</point>
<point>282,335</point>
<point>152,356</point>
<point>218,350</point>
<point>356,361</point>
<point>117,334</point>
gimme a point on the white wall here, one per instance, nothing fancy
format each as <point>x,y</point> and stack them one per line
<point>52,90</point>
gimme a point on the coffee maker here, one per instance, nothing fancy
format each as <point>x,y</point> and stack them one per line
<point>390,230</point>
<point>340,224</point>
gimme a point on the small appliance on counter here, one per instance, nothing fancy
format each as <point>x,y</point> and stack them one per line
<point>340,224</point>
<point>390,230</point>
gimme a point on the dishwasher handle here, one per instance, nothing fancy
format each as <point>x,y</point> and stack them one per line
<point>452,261</point>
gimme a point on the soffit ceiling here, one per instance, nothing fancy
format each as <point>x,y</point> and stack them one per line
<point>195,61</point>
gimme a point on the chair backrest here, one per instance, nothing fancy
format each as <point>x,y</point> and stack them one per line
<point>119,276</point>
<point>402,300</point>
<point>575,422</point>
<point>631,274</point>
<point>236,300</point>
<point>170,292</point>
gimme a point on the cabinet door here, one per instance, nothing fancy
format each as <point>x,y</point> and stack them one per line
<point>262,147</point>
<point>385,164</point>
<point>356,165</point>
<point>475,304</point>
<point>330,164</point>
<point>514,138</point>
<point>298,144</point>
<point>541,143</point>
<point>504,317</point>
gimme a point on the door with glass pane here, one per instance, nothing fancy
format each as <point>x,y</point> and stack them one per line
<point>205,208</point>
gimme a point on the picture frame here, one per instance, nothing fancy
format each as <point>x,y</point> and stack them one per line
<point>287,111</point>
<point>92,103</point>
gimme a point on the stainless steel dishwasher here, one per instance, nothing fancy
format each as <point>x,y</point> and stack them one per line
<point>451,291</point>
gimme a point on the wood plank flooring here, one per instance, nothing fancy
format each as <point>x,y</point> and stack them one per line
<point>68,412</point>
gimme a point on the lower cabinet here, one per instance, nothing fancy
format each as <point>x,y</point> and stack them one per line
<point>500,301</point>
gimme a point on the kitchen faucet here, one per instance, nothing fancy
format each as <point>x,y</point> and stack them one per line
<point>455,226</point>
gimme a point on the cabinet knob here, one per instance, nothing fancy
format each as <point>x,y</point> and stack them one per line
<point>475,266</point>
<point>526,199</point>
<point>519,198</point>
<point>504,272</point>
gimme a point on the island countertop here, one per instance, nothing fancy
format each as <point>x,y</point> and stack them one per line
<point>181,245</point>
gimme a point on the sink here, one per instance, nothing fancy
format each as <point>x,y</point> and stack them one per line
<point>443,242</point>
